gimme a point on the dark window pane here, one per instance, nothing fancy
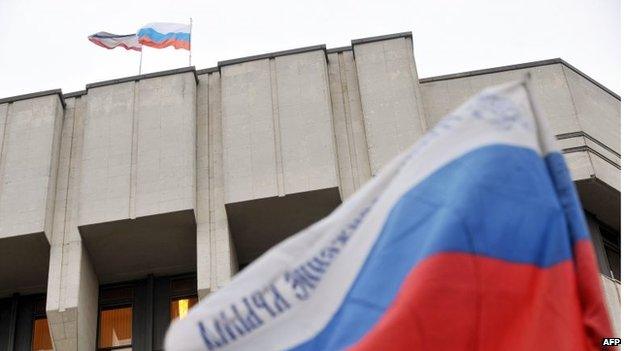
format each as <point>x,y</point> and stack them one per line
<point>41,340</point>
<point>611,240</point>
<point>116,294</point>
<point>115,327</point>
<point>180,306</point>
<point>183,286</point>
<point>613,255</point>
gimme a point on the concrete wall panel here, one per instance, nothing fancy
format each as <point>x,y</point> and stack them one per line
<point>605,171</point>
<point>28,164</point>
<point>277,128</point>
<point>306,135</point>
<point>579,164</point>
<point>107,154</point>
<point>249,153</point>
<point>165,155</point>
<point>598,112</point>
<point>442,97</point>
<point>139,149</point>
<point>391,103</point>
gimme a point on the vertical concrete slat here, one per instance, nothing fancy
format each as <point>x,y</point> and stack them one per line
<point>204,239</point>
<point>72,297</point>
<point>351,145</point>
<point>4,117</point>
<point>216,260</point>
<point>279,161</point>
<point>223,263</point>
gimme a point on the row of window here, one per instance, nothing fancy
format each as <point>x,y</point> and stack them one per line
<point>133,315</point>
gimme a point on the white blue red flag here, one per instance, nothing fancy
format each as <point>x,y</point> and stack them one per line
<point>160,35</point>
<point>473,239</point>
<point>111,41</point>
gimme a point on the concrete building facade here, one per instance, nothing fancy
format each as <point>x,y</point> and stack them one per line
<point>137,194</point>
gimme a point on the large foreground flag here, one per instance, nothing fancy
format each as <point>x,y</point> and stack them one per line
<point>473,239</point>
<point>111,41</point>
<point>160,35</point>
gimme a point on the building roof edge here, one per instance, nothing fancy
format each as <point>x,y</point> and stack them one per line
<point>74,94</point>
<point>515,67</point>
<point>271,55</point>
<point>15,98</point>
<point>339,49</point>
<point>144,76</point>
<point>381,37</point>
<point>207,70</point>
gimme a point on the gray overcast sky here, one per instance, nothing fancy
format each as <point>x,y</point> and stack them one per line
<point>43,44</point>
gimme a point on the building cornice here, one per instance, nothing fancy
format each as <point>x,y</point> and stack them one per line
<point>271,55</point>
<point>34,95</point>
<point>516,67</point>
<point>381,38</point>
<point>144,76</point>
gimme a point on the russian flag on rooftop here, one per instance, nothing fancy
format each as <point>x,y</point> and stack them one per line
<point>160,35</point>
<point>473,239</point>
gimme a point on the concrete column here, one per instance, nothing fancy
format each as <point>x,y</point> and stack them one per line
<point>137,183</point>
<point>72,296</point>
<point>279,154</point>
<point>351,147</point>
<point>277,126</point>
<point>216,257</point>
<point>392,105</point>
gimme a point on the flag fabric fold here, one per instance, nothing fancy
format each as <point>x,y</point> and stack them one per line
<point>472,239</point>
<point>160,35</point>
<point>111,41</point>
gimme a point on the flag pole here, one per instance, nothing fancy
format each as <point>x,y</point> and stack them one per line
<point>141,61</point>
<point>190,37</point>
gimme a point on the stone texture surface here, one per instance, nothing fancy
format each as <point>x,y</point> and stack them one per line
<point>351,147</point>
<point>139,149</point>
<point>394,116</point>
<point>216,255</point>
<point>29,154</point>
<point>28,164</point>
<point>72,294</point>
<point>277,127</point>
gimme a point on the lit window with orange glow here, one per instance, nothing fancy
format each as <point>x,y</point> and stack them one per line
<point>115,330</point>
<point>41,340</point>
<point>180,307</point>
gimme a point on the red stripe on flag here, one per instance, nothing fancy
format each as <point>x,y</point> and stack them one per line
<point>456,301</point>
<point>169,42</point>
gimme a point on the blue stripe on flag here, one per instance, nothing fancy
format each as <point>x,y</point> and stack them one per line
<point>498,201</point>
<point>159,37</point>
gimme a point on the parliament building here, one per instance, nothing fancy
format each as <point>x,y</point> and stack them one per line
<point>123,204</point>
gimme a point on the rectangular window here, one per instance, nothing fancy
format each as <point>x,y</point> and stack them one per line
<point>180,306</point>
<point>613,256</point>
<point>115,328</point>
<point>611,240</point>
<point>41,340</point>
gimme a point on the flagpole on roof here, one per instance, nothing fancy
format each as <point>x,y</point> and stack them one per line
<point>190,33</point>
<point>141,61</point>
